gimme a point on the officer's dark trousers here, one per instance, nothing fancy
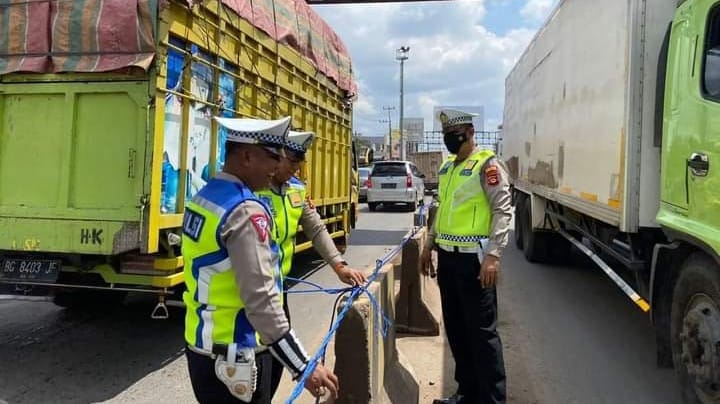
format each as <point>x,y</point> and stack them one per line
<point>470,316</point>
<point>209,389</point>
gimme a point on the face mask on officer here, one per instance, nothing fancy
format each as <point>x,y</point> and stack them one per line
<point>454,140</point>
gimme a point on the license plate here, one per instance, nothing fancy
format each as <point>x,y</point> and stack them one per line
<point>385,186</point>
<point>16,269</point>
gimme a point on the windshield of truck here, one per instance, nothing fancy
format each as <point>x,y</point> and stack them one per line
<point>390,170</point>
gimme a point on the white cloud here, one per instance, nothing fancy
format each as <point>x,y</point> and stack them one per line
<point>454,59</point>
<point>537,10</point>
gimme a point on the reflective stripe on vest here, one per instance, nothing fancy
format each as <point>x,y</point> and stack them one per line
<point>463,217</point>
<point>287,211</point>
<point>214,311</point>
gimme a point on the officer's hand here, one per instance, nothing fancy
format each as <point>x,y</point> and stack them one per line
<point>320,380</point>
<point>349,275</point>
<point>489,271</point>
<point>425,261</point>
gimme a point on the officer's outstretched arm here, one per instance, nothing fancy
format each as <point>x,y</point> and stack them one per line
<point>247,236</point>
<point>316,231</point>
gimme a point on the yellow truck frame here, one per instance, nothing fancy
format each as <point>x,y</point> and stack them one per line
<point>271,80</point>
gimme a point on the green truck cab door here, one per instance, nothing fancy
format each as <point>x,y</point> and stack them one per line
<point>690,176</point>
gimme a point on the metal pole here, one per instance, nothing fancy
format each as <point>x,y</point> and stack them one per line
<point>402,106</point>
<point>389,156</point>
<point>401,54</point>
<point>389,121</point>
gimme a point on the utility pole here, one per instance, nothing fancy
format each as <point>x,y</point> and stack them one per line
<point>389,122</point>
<point>401,54</point>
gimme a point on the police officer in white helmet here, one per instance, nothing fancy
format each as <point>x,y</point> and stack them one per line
<point>235,323</point>
<point>469,233</point>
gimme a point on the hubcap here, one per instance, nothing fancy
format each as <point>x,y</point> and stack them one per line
<point>700,346</point>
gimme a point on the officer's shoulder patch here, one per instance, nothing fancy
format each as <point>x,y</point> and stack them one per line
<point>260,222</point>
<point>192,224</point>
<point>492,175</point>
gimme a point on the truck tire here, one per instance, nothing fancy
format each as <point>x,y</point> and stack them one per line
<point>519,217</point>
<point>534,242</point>
<point>695,329</point>
<point>372,206</point>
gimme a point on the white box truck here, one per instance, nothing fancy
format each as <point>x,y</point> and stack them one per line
<point>612,137</point>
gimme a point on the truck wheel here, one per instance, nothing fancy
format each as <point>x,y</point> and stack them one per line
<point>695,329</point>
<point>519,217</point>
<point>534,242</point>
<point>372,206</point>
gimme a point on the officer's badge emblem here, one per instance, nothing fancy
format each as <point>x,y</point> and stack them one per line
<point>192,224</point>
<point>295,199</point>
<point>260,223</point>
<point>492,175</point>
<point>443,118</point>
<point>468,168</point>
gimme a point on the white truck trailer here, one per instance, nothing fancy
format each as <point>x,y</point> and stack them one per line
<point>612,134</point>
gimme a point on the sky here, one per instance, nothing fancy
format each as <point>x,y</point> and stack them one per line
<point>460,53</point>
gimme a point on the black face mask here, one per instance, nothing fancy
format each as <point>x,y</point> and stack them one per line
<point>454,140</point>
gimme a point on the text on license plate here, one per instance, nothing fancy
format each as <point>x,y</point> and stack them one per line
<point>387,185</point>
<point>16,269</point>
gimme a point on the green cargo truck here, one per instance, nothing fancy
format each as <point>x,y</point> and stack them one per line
<point>106,131</point>
<point>612,136</point>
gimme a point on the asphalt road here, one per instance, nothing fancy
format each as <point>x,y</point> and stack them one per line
<point>574,337</point>
<point>571,335</point>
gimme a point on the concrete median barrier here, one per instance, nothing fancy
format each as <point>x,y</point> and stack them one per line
<point>368,365</point>
<point>412,315</point>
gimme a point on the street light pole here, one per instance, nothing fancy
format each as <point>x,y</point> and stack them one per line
<point>401,54</point>
<point>389,122</point>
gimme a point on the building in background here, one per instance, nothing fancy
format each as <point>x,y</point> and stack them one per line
<point>414,130</point>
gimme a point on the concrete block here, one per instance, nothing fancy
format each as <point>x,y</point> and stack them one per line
<point>367,363</point>
<point>412,314</point>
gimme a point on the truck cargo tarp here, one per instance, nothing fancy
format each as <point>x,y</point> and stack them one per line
<point>296,24</point>
<point>52,36</point>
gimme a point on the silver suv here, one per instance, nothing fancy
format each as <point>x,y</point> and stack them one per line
<point>395,182</point>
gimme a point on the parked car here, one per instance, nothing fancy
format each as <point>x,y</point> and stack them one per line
<point>393,182</point>
<point>364,173</point>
